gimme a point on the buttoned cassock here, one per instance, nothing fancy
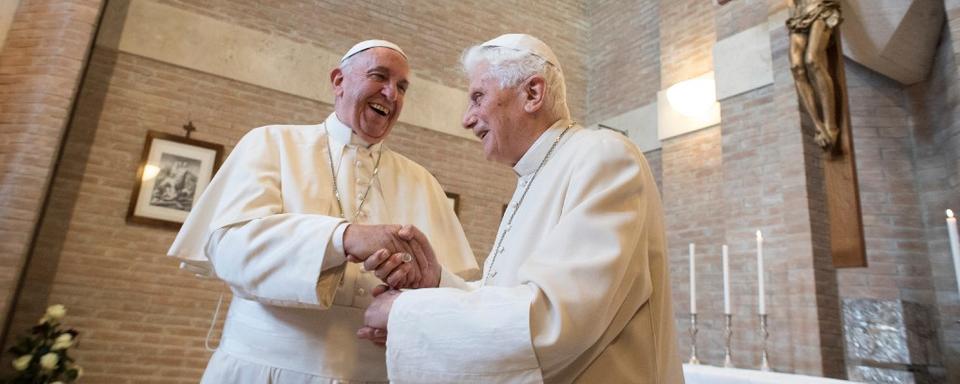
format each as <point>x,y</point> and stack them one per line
<point>267,225</point>
<point>579,290</point>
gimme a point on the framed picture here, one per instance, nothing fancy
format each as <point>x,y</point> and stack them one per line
<point>173,172</point>
<point>454,200</point>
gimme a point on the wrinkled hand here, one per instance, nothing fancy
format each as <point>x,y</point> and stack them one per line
<point>377,316</point>
<point>422,270</point>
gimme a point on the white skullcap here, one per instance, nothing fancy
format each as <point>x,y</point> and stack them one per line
<point>365,45</point>
<point>524,43</point>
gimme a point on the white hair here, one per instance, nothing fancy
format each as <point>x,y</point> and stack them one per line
<point>511,67</point>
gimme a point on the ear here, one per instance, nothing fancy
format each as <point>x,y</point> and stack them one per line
<point>533,91</point>
<point>336,79</point>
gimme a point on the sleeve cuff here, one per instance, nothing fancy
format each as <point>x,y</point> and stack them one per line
<point>335,255</point>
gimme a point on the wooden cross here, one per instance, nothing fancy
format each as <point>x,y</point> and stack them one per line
<point>189,128</point>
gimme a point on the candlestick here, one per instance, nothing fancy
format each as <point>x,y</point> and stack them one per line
<point>761,298</point>
<point>693,340</point>
<point>726,280</point>
<point>728,333</point>
<point>693,280</point>
<point>954,244</point>
<point>764,361</point>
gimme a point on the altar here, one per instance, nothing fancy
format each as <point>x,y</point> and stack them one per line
<point>705,374</point>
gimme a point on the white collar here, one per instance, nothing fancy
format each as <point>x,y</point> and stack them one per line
<point>531,159</point>
<point>341,135</point>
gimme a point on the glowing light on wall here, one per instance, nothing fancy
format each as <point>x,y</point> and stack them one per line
<point>693,98</point>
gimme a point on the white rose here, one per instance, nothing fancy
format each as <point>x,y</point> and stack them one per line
<point>63,341</point>
<point>49,361</point>
<point>22,362</point>
<point>56,312</point>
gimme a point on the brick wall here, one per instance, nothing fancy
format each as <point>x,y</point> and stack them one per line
<point>893,230</point>
<point>433,34</point>
<point>623,59</point>
<point>40,68</point>
<point>935,133</point>
<point>687,35</point>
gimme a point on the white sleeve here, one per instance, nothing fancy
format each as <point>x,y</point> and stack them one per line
<point>262,252</point>
<point>571,288</point>
<point>277,259</point>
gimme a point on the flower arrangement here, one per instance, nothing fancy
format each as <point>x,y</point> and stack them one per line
<point>42,356</point>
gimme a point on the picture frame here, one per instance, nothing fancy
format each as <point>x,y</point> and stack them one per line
<point>454,200</point>
<point>173,173</point>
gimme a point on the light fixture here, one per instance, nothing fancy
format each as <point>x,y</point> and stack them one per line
<point>693,98</point>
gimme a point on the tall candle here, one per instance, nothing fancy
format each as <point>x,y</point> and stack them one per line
<point>954,244</point>
<point>761,298</point>
<point>693,281</point>
<point>726,281</point>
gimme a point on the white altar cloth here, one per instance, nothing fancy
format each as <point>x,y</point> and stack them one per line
<point>705,374</point>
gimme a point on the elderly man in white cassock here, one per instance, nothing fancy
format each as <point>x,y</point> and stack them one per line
<point>576,287</point>
<point>292,205</point>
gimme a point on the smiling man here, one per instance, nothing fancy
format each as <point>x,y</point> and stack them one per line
<point>286,209</point>
<point>576,287</point>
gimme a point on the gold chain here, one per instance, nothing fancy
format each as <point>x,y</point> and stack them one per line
<point>333,173</point>
<point>497,249</point>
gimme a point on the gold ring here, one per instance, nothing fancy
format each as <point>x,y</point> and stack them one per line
<point>406,257</point>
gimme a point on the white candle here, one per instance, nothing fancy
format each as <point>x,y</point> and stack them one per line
<point>693,281</point>
<point>954,244</point>
<point>726,281</point>
<point>761,298</point>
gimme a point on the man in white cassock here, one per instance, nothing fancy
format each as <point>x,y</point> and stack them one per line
<point>576,287</point>
<point>288,207</point>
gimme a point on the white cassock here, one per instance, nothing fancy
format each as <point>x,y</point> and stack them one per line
<point>269,223</point>
<point>579,290</point>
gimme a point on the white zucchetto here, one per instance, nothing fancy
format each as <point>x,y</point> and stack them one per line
<point>524,42</point>
<point>365,45</point>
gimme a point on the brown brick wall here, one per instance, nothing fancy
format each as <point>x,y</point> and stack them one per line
<point>40,68</point>
<point>936,136</point>
<point>433,33</point>
<point>687,35</point>
<point>623,58</point>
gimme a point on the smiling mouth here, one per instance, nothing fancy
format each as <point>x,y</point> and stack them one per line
<point>379,109</point>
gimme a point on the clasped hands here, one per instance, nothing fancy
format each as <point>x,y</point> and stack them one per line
<point>400,256</point>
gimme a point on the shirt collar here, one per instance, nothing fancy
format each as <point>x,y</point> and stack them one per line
<point>535,154</point>
<point>341,135</point>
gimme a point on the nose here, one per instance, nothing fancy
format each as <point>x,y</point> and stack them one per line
<point>469,120</point>
<point>391,91</point>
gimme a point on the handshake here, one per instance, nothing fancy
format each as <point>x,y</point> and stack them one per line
<point>400,256</point>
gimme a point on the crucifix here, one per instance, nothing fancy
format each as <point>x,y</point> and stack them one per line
<point>816,60</point>
<point>189,128</point>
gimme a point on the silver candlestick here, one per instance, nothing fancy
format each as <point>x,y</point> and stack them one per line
<point>728,333</point>
<point>764,362</point>
<point>693,340</point>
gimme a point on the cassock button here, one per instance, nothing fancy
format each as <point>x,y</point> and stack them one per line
<point>359,195</point>
<point>361,291</point>
<point>358,163</point>
<point>507,227</point>
<point>500,250</point>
